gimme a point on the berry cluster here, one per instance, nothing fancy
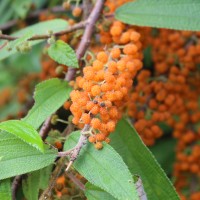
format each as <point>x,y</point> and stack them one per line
<point>102,91</point>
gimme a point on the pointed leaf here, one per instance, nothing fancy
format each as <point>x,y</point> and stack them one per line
<point>104,168</point>
<point>62,53</point>
<point>49,96</point>
<point>140,160</point>
<point>19,158</point>
<point>23,131</point>
<point>5,190</point>
<point>172,14</point>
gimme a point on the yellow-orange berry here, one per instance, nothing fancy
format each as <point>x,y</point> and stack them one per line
<point>95,90</point>
<point>102,56</point>
<point>95,123</point>
<point>92,139</point>
<point>86,118</point>
<point>110,126</point>
<point>98,145</point>
<point>76,11</point>
<point>115,53</point>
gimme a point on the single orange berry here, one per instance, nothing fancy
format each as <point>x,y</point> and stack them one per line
<point>98,145</point>
<point>95,123</point>
<point>115,53</point>
<point>92,139</point>
<point>86,118</point>
<point>77,12</point>
<point>102,56</point>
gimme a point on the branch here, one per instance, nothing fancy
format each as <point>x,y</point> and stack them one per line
<point>85,41</point>
<point>76,181</point>
<point>75,27</point>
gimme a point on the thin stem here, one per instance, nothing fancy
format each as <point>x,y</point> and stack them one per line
<point>75,27</point>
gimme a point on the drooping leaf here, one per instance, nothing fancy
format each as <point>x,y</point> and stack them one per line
<point>5,190</point>
<point>49,96</point>
<point>23,131</point>
<point>140,161</point>
<point>104,169</point>
<point>172,14</point>
<point>95,193</point>
<point>37,29</point>
<point>62,53</point>
<point>19,157</point>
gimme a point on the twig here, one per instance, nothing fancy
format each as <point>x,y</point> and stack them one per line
<point>47,193</point>
<point>85,41</point>
<point>15,184</point>
<point>45,128</point>
<point>75,27</point>
<point>76,181</point>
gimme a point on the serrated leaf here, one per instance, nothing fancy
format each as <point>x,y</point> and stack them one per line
<point>104,169</point>
<point>5,190</point>
<point>140,161</point>
<point>19,158</point>
<point>62,53</point>
<point>23,131</point>
<point>93,192</point>
<point>49,96</point>
<point>172,14</point>
<point>38,29</point>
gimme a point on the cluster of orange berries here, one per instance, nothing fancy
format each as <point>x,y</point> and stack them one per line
<point>100,94</point>
<point>168,93</point>
<point>65,189</point>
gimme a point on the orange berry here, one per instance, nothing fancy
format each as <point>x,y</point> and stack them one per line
<point>112,67</point>
<point>115,53</point>
<point>135,36</point>
<point>102,56</point>
<point>98,145</point>
<point>89,105</point>
<point>67,105</point>
<point>95,110</point>
<point>95,123</point>
<point>130,49</point>
<point>110,126</point>
<point>76,11</point>
<point>116,30</point>
<point>97,65</point>
<point>107,140</point>
<point>95,90</point>
<point>92,139</point>
<point>86,118</point>
<point>100,137</point>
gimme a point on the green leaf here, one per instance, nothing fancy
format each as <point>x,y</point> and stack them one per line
<point>104,168</point>
<point>172,14</point>
<point>23,131</point>
<point>5,190</point>
<point>49,96</point>
<point>62,53</point>
<point>95,193</point>
<point>30,186</point>
<point>166,157</point>
<point>37,29</point>
<point>35,181</point>
<point>21,7</point>
<point>140,161</point>
<point>19,158</point>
